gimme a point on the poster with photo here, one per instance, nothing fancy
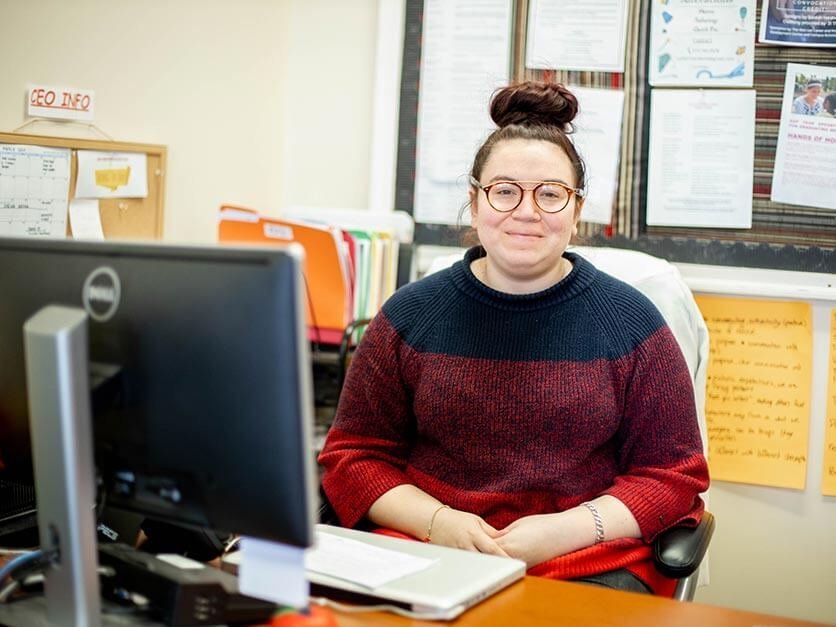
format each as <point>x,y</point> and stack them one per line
<point>805,158</point>
<point>809,23</point>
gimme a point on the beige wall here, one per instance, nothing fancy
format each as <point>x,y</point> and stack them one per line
<point>327,103</point>
<point>260,102</point>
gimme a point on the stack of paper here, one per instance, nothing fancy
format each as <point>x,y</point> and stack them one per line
<point>359,562</point>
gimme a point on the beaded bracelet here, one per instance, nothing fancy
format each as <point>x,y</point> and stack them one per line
<point>432,521</point>
<point>599,524</point>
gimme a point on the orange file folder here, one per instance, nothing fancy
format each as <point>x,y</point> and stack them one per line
<point>328,292</point>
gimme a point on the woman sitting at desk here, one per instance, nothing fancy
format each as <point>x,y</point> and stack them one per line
<point>522,403</point>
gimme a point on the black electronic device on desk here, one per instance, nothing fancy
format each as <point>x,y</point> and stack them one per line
<point>201,410</point>
<point>17,508</point>
<point>179,591</point>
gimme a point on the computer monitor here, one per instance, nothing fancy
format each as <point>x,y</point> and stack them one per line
<point>199,369</point>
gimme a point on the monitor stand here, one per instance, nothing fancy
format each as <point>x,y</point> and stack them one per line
<point>55,341</point>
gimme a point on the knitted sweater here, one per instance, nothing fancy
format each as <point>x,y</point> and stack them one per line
<point>513,405</point>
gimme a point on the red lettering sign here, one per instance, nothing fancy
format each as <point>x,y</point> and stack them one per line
<point>61,103</point>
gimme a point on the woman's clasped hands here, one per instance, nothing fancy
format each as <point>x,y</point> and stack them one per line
<point>530,539</point>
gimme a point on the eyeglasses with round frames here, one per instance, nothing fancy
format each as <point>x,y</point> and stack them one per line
<point>549,196</point>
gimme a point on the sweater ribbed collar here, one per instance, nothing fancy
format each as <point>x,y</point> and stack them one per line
<point>581,276</point>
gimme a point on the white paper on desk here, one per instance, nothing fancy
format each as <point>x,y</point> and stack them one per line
<point>361,563</point>
<point>465,56</point>
<point>805,159</point>
<point>576,35</point>
<point>702,43</point>
<point>85,220</point>
<point>111,175</point>
<point>273,571</point>
<point>701,158</point>
<point>597,137</point>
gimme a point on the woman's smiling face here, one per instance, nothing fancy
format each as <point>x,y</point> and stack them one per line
<point>525,245</point>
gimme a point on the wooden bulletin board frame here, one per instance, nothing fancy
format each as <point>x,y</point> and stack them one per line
<point>122,218</point>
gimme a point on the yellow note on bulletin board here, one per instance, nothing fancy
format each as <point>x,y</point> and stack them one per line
<point>757,402</point>
<point>828,482</point>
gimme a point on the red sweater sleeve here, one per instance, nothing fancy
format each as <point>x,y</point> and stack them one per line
<point>663,469</point>
<point>366,448</point>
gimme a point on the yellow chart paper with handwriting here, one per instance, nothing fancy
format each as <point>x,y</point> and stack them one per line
<point>757,402</point>
<point>828,480</point>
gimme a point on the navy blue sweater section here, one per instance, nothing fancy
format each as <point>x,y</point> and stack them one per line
<point>588,315</point>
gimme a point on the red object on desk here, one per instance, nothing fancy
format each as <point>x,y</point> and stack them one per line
<point>317,616</point>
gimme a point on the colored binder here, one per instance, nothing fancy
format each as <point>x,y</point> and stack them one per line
<point>329,296</point>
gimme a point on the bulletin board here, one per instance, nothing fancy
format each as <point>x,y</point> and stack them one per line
<point>122,218</point>
<point>788,237</point>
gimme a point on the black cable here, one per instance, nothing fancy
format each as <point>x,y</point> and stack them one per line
<point>345,344</point>
<point>318,340</point>
<point>101,499</point>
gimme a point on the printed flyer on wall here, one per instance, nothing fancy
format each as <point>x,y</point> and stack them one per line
<point>576,35</point>
<point>700,158</point>
<point>805,158</point>
<point>702,43</point>
<point>799,23</point>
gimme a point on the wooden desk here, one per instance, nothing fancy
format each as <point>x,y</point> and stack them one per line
<point>535,601</point>
<point>528,603</point>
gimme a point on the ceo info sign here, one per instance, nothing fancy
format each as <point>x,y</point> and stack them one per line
<point>64,103</point>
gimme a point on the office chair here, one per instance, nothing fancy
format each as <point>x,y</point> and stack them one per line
<point>678,553</point>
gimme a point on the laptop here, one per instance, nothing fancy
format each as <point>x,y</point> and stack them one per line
<point>444,584</point>
<point>454,581</point>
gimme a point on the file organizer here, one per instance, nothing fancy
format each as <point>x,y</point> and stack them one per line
<point>380,240</point>
<point>351,259</point>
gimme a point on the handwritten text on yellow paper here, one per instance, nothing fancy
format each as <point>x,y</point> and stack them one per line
<point>758,393</point>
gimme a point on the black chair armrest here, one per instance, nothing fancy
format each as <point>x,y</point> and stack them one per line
<point>678,552</point>
<point>326,514</point>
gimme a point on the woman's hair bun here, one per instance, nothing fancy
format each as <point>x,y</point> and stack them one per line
<point>534,103</point>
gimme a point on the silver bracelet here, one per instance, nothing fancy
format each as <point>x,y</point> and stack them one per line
<point>599,524</point>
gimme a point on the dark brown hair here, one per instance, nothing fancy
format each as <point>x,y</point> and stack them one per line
<point>533,110</point>
<point>829,102</point>
<point>529,110</point>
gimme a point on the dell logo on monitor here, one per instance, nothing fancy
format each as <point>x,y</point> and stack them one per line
<point>101,293</point>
